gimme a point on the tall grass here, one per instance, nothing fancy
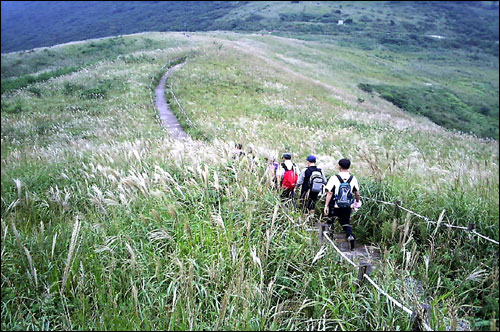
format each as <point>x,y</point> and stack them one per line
<point>23,81</point>
<point>107,224</point>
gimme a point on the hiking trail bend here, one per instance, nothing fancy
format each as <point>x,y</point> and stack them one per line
<point>167,117</point>
<point>362,252</point>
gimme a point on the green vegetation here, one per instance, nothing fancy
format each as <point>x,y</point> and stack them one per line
<point>442,107</point>
<point>69,21</point>
<point>109,225</point>
<point>23,81</point>
<point>472,85</point>
<point>440,42</point>
<point>81,55</point>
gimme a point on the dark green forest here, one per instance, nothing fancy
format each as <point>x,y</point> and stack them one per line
<point>396,25</point>
<point>30,24</point>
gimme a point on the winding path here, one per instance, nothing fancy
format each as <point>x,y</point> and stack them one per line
<point>166,115</point>
<point>366,254</point>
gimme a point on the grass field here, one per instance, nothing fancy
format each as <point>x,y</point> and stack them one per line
<point>109,224</point>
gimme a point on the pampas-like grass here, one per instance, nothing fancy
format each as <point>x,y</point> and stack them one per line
<point>72,245</point>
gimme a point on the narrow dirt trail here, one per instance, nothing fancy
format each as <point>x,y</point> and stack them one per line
<point>166,115</point>
<point>362,253</point>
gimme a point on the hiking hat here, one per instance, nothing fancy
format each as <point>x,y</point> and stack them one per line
<point>311,159</point>
<point>287,156</point>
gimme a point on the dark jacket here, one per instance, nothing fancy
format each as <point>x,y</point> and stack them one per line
<point>304,179</point>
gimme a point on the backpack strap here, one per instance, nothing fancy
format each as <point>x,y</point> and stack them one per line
<point>318,170</point>
<point>350,179</point>
<point>308,171</point>
<point>340,179</point>
<point>283,176</point>
<point>310,174</point>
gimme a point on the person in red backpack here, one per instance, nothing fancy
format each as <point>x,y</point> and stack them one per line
<point>287,173</point>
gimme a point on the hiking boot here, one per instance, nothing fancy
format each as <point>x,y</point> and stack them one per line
<point>351,241</point>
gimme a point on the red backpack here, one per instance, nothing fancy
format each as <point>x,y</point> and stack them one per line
<point>289,178</point>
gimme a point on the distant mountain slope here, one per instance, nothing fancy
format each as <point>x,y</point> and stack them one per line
<point>391,24</point>
<point>442,55</point>
<point>30,24</point>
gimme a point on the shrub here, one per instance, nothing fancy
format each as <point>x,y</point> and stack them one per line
<point>440,106</point>
<point>485,110</point>
<point>12,108</point>
<point>365,87</point>
<point>35,90</point>
<point>94,93</point>
<point>69,88</point>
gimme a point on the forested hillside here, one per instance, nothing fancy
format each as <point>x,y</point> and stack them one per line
<point>397,25</point>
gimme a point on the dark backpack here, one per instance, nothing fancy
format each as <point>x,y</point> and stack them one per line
<point>289,178</point>
<point>316,181</point>
<point>344,197</point>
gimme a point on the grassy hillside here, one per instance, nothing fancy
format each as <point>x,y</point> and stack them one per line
<point>395,25</point>
<point>109,224</point>
<point>416,40</point>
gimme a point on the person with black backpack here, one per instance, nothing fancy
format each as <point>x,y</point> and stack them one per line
<point>341,187</point>
<point>312,179</point>
<point>287,174</point>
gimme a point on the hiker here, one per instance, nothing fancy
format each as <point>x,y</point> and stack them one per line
<point>238,151</point>
<point>287,174</point>
<point>276,181</point>
<point>251,156</point>
<point>272,167</point>
<point>342,186</point>
<point>312,179</point>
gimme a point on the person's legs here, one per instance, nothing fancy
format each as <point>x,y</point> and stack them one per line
<point>285,194</point>
<point>311,202</point>
<point>330,218</point>
<point>303,200</point>
<point>344,220</point>
<point>292,197</point>
<point>288,195</point>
